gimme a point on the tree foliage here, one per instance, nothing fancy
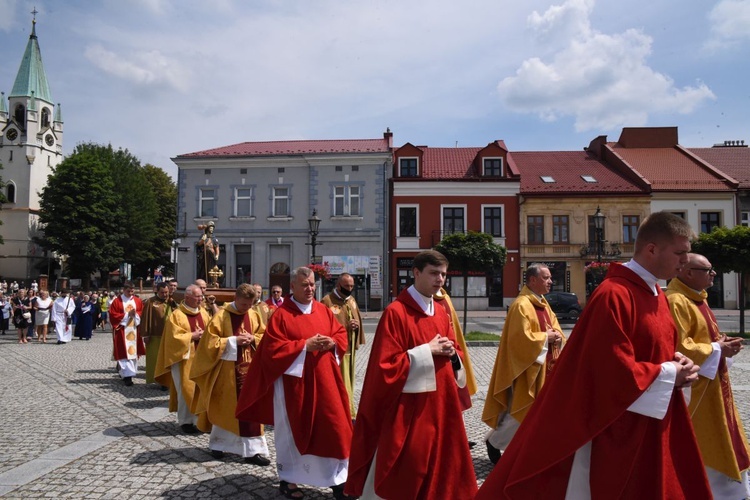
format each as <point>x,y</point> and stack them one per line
<point>102,208</point>
<point>728,250</point>
<point>471,252</point>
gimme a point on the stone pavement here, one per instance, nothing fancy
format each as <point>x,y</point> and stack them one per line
<point>73,430</point>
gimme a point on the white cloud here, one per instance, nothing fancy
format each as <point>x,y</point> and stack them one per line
<point>730,23</point>
<point>147,68</point>
<point>602,80</point>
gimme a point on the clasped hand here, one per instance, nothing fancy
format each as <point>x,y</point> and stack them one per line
<point>196,335</point>
<point>687,371</point>
<point>442,346</point>
<point>244,339</point>
<point>553,336</point>
<point>730,346</point>
<point>319,342</point>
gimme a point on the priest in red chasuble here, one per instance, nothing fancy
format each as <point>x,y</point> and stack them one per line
<point>224,355</point>
<point>299,390</point>
<point>409,439</point>
<point>125,315</point>
<point>717,423</point>
<point>611,422</point>
<point>530,343</point>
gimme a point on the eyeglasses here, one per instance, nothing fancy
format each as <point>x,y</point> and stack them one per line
<point>706,270</point>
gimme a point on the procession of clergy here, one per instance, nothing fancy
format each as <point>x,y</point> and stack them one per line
<point>636,403</point>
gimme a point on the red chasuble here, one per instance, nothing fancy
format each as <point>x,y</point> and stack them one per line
<point>613,356</point>
<point>421,443</point>
<point>116,315</point>
<point>317,403</point>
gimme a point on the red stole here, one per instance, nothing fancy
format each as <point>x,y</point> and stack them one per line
<point>195,321</point>
<point>240,324</point>
<point>743,461</point>
<point>545,322</point>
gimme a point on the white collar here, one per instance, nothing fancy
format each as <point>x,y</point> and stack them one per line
<point>651,280</point>
<point>305,308</point>
<point>426,303</point>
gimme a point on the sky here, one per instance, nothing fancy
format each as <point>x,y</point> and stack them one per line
<point>163,78</point>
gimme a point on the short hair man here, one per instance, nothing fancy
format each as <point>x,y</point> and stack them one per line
<point>410,441</point>
<point>184,329</point>
<point>529,345</point>
<point>716,421</point>
<point>264,310</point>
<point>300,391</point>
<point>208,301</point>
<point>156,309</point>
<point>224,355</point>
<point>125,314</point>
<point>276,298</point>
<point>343,305</point>
<point>610,422</point>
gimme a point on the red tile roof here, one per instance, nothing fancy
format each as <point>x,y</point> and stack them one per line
<point>670,169</point>
<point>282,148</point>
<point>567,167</point>
<point>458,163</point>
<point>733,161</point>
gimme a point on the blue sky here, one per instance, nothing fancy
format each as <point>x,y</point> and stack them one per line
<point>168,77</point>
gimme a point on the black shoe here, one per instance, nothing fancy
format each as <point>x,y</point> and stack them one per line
<point>493,453</point>
<point>127,381</point>
<point>190,429</point>
<point>217,453</point>
<point>163,388</point>
<point>60,342</point>
<point>338,492</point>
<point>289,492</point>
<point>472,444</point>
<point>258,459</point>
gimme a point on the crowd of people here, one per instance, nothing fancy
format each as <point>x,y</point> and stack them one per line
<point>34,314</point>
<point>635,402</point>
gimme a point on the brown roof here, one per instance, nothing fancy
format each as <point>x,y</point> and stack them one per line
<point>282,148</point>
<point>733,161</point>
<point>458,163</point>
<point>566,168</point>
<point>673,169</point>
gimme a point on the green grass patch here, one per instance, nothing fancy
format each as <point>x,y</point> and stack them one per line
<point>481,336</point>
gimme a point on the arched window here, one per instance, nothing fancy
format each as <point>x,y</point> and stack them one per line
<point>10,192</point>
<point>45,117</point>
<point>19,114</point>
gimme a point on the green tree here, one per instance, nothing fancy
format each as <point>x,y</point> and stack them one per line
<point>79,211</point>
<point>165,195</point>
<point>471,252</point>
<point>728,250</point>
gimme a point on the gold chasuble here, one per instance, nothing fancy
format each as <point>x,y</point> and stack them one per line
<point>717,424</point>
<point>516,376</point>
<point>155,312</point>
<point>218,380</point>
<point>471,381</point>
<point>346,309</point>
<point>177,348</point>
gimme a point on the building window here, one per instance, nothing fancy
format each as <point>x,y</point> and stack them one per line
<point>207,171</point>
<point>346,201</point>
<point>407,222</point>
<point>207,202</point>
<point>45,117</point>
<point>681,215</point>
<point>407,167</point>
<point>630,225</point>
<point>355,168</point>
<point>280,202</point>
<point>745,219</point>
<point>243,202</point>
<point>10,192</point>
<point>339,168</point>
<point>560,229</point>
<point>243,171</point>
<point>710,220</point>
<point>493,167</point>
<point>493,221</point>
<point>453,220</point>
<point>535,226</point>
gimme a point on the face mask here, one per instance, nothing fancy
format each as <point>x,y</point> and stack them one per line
<point>344,292</point>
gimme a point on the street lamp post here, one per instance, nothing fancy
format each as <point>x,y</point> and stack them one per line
<point>314,226</point>
<point>599,219</point>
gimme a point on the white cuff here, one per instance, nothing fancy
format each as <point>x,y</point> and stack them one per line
<point>654,402</point>
<point>461,375</point>
<point>297,368</point>
<point>230,351</point>
<point>421,371</point>
<point>542,358</point>
<point>711,365</point>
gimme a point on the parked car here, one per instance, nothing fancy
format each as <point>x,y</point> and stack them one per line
<point>564,304</point>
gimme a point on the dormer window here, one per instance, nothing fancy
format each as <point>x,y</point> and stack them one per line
<point>492,167</point>
<point>407,167</point>
<point>548,179</point>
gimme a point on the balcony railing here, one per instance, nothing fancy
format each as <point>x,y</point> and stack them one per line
<point>586,250</point>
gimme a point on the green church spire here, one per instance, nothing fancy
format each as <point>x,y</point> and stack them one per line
<point>31,75</point>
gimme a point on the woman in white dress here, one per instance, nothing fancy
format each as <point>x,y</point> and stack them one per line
<point>42,307</point>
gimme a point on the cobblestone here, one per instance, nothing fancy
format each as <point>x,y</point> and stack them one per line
<point>73,430</point>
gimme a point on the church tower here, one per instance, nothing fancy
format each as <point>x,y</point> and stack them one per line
<point>31,134</point>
